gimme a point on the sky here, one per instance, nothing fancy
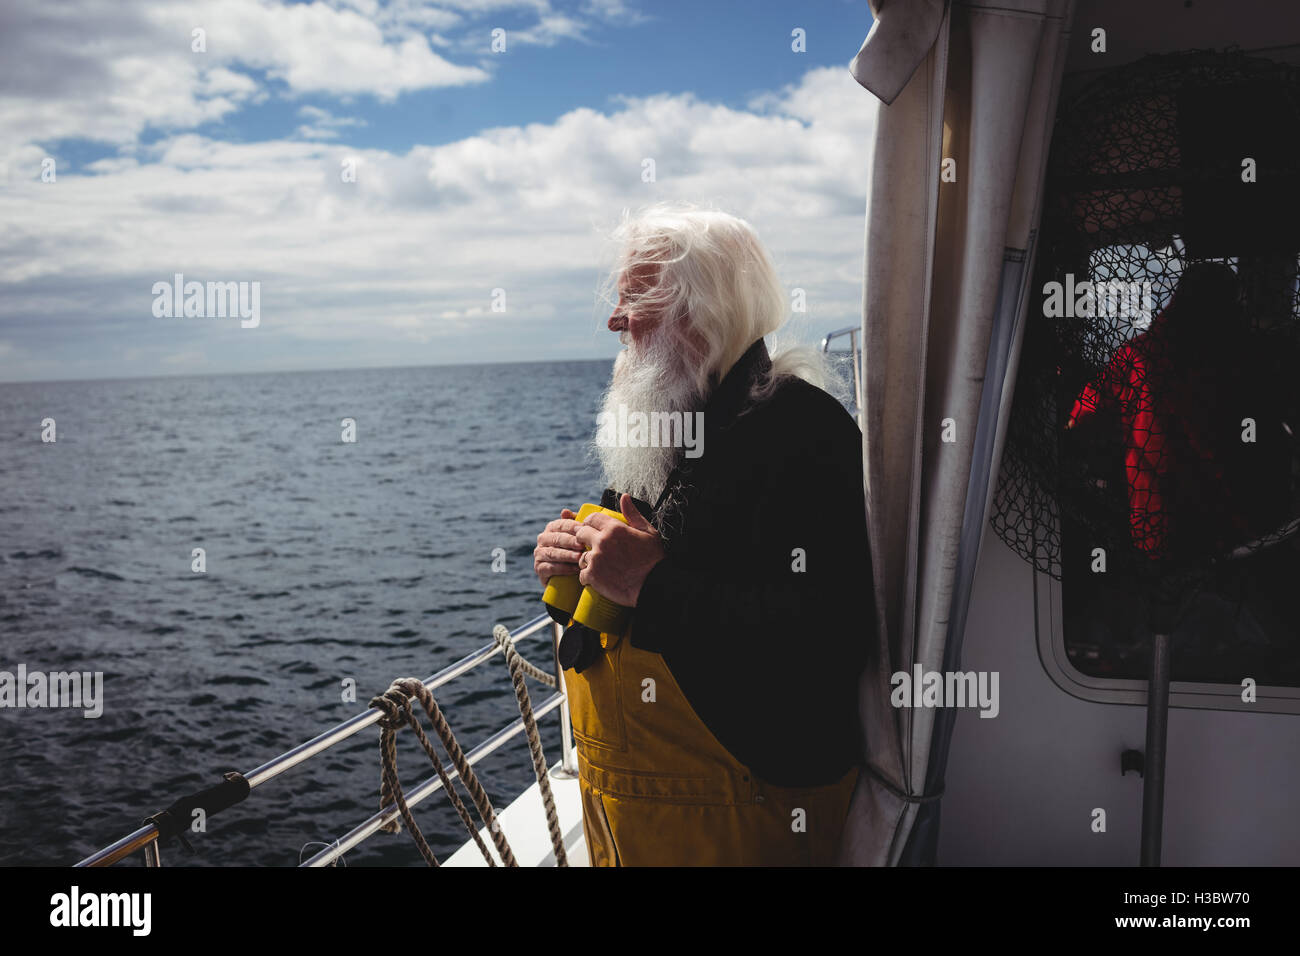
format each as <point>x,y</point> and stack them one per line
<point>401,183</point>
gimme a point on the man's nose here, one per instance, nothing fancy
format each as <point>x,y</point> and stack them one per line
<point>617,322</point>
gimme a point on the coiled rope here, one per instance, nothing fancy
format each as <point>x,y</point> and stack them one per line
<point>395,703</point>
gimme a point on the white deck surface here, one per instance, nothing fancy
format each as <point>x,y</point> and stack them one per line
<point>524,824</point>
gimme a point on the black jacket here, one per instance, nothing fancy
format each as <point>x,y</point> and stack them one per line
<point>768,656</point>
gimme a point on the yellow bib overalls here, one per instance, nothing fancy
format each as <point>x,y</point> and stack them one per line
<point>658,789</point>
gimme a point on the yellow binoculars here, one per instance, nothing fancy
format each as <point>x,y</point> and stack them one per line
<point>566,594</point>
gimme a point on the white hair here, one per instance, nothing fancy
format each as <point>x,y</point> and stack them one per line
<point>715,279</point>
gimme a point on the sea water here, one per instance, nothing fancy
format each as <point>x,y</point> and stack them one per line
<point>323,561</point>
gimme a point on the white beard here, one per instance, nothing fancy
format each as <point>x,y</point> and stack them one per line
<point>649,378</point>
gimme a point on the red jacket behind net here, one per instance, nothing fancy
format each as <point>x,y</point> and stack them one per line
<point>1192,482</point>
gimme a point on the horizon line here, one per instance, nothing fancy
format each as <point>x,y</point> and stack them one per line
<point>294,371</point>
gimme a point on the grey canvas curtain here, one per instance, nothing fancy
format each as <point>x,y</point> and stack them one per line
<point>948,251</point>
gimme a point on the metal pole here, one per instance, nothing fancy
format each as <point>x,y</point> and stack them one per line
<point>568,769</point>
<point>135,840</point>
<point>1153,777</point>
<point>857,372</point>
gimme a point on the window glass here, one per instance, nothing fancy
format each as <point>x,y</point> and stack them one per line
<point>1186,442</point>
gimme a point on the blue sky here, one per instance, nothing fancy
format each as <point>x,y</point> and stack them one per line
<point>485,180</point>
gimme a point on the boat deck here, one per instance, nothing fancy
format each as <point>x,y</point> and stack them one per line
<point>524,823</point>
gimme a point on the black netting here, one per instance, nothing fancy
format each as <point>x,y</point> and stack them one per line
<point>1157,405</point>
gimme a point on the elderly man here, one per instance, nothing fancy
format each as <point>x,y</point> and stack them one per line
<point>721,727</point>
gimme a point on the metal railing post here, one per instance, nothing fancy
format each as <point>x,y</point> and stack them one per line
<point>857,369</point>
<point>568,766</point>
<point>852,332</point>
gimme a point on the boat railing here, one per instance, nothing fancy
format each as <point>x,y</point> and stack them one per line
<point>146,837</point>
<point>852,331</point>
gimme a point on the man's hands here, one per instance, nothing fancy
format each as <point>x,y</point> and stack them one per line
<point>606,554</point>
<point>619,556</point>
<point>557,550</point>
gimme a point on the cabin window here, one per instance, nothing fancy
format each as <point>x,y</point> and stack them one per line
<point>1151,464</point>
<point>1235,618</point>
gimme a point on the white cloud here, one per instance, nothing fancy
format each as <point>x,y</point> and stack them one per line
<point>615,11</point>
<point>315,48</point>
<point>108,72</point>
<point>84,69</point>
<point>322,124</point>
<point>412,250</point>
<point>222,82</point>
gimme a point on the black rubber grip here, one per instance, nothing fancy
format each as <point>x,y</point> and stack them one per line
<point>176,818</point>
